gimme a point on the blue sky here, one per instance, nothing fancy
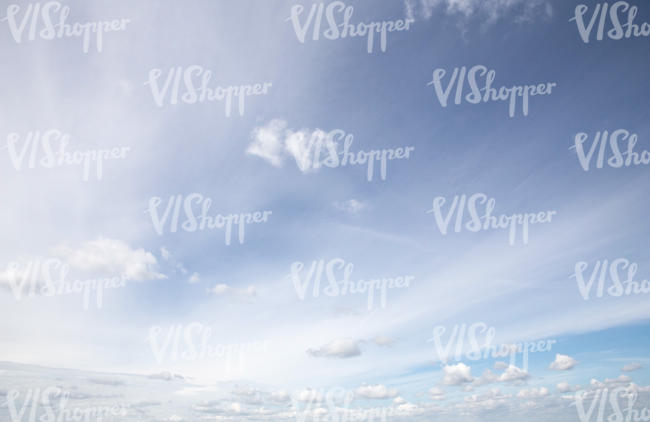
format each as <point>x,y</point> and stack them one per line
<point>244,291</point>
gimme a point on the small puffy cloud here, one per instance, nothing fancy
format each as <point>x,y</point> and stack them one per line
<point>511,374</point>
<point>619,381</point>
<point>488,377</point>
<point>378,391</point>
<point>248,395</point>
<point>105,381</point>
<point>280,396</point>
<point>165,376</point>
<point>514,374</point>
<point>631,367</point>
<point>399,400</point>
<point>219,289</point>
<point>268,142</point>
<point>309,395</point>
<point>563,363</point>
<point>500,365</point>
<point>437,393</point>
<point>194,278</point>
<point>351,206</point>
<point>533,393</point>
<point>222,289</point>
<point>111,257</point>
<point>457,374</point>
<point>565,387</point>
<point>338,348</point>
<point>594,383</point>
<point>409,410</point>
<point>490,399</point>
<point>246,392</point>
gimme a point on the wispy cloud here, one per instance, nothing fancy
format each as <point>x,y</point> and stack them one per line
<point>484,12</point>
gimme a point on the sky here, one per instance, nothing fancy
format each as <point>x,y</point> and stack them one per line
<point>113,294</point>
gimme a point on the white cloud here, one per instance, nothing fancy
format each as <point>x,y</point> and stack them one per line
<point>533,393</point>
<point>486,11</point>
<point>409,410</point>
<point>491,399</point>
<point>512,373</point>
<point>437,393</point>
<point>14,275</point>
<point>631,367</point>
<point>620,380</point>
<point>399,400</point>
<point>309,395</point>
<point>222,289</point>
<point>500,365</point>
<point>488,377</point>
<point>457,374</point>
<point>378,391</point>
<point>194,278</point>
<point>111,257</point>
<point>275,141</point>
<point>565,387</point>
<point>166,376</point>
<point>338,348</point>
<point>219,289</point>
<point>304,146</point>
<point>280,396</point>
<point>268,142</point>
<point>563,363</point>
